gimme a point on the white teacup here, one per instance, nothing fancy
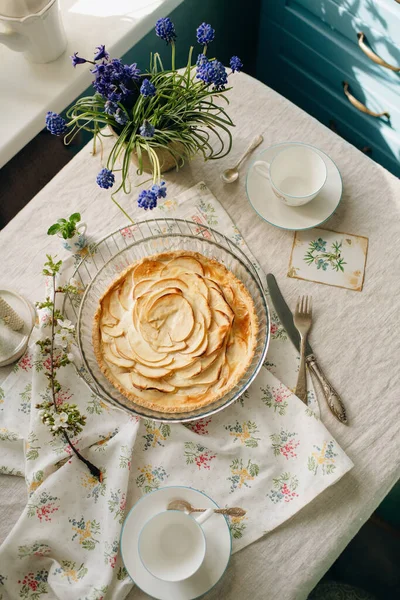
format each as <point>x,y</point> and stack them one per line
<point>297,174</point>
<point>172,545</point>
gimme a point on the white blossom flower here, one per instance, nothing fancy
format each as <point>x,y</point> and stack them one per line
<point>70,357</point>
<point>60,421</point>
<point>66,324</point>
<point>60,341</point>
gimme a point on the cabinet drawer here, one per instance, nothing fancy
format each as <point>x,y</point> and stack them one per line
<point>319,102</point>
<point>337,22</point>
<point>369,90</point>
<point>334,121</point>
<point>380,18</point>
<point>290,76</point>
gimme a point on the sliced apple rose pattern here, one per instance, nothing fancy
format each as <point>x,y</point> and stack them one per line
<point>175,331</point>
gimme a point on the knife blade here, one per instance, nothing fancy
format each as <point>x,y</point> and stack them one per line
<point>286,318</point>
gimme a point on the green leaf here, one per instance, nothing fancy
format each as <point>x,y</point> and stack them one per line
<point>53,229</point>
<point>61,221</point>
<point>75,218</point>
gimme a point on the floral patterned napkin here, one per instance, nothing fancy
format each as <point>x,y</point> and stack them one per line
<point>268,453</point>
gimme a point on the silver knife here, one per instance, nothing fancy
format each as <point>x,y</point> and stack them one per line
<point>286,317</point>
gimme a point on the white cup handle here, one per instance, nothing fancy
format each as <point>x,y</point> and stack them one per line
<point>204,516</point>
<point>262,168</point>
<point>81,226</point>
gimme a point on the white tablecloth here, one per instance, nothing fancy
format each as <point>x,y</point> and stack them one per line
<point>356,335</point>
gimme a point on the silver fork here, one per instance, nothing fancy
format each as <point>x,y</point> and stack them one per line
<point>302,320</point>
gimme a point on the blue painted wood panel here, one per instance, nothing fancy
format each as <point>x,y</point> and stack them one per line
<point>307,45</point>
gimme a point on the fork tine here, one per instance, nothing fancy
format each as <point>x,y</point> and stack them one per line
<point>303,304</point>
<point>298,304</point>
<point>310,305</point>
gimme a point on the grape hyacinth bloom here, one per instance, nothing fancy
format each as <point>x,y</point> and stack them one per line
<point>160,190</point>
<point>236,64</point>
<point>105,179</point>
<point>77,60</point>
<point>55,123</point>
<point>101,52</point>
<point>148,198</point>
<point>147,129</point>
<point>147,89</point>
<point>120,117</point>
<point>165,30</point>
<point>113,79</point>
<point>213,73</point>
<point>205,34</point>
<point>201,60</point>
<point>110,108</point>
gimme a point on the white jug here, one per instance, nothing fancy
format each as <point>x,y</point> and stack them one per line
<point>33,27</point>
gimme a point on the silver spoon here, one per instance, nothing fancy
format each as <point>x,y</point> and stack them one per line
<point>231,175</point>
<point>187,507</point>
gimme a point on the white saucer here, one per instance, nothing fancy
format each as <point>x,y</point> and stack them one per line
<point>14,345</point>
<point>275,212</point>
<point>218,539</point>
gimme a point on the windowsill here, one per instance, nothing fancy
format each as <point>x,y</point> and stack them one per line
<point>28,91</point>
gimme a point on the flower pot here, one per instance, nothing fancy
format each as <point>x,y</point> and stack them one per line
<point>167,161</point>
<point>165,157</point>
<point>78,241</point>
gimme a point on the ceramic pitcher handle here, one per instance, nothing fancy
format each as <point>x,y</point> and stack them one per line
<point>81,226</point>
<point>204,516</point>
<point>262,168</point>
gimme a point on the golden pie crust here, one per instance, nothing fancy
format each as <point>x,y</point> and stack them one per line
<point>175,331</point>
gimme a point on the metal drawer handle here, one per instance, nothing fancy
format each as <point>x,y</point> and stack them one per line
<point>372,56</point>
<point>360,106</point>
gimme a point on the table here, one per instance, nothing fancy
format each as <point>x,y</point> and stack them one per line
<point>28,90</point>
<point>356,335</point>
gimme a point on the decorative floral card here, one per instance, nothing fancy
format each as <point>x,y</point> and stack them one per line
<point>329,257</point>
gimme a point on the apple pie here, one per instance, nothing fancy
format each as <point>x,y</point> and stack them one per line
<point>175,331</point>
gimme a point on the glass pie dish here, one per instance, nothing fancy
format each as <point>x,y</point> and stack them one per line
<point>122,248</point>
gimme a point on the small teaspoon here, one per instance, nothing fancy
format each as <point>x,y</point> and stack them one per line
<point>232,174</point>
<point>187,507</point>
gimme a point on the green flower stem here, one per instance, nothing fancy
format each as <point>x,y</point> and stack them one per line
<point>120,207</point>
<point>173,55</point>
<point>92,468</point>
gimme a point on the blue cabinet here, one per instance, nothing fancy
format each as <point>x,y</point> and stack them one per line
<point>332,58</point>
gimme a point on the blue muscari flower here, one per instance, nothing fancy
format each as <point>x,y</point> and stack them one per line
<point>148,198</point>
<point>114,79</point>
<point>165,30</point>
<point>101,52</point>
<point>132,71</point>
<point>205,34</point>
<point>110,107</point>
<point>147,129</point>
<point>99,69</point>
<point>235,64</point>
<point>160,190</point>
<point>147,89</point>
<point>105,179</point>
<point>213,72</point>
<point>55,123</point>
<point>120,117</point>
<point>201,60</point>
<point>77,60</point>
